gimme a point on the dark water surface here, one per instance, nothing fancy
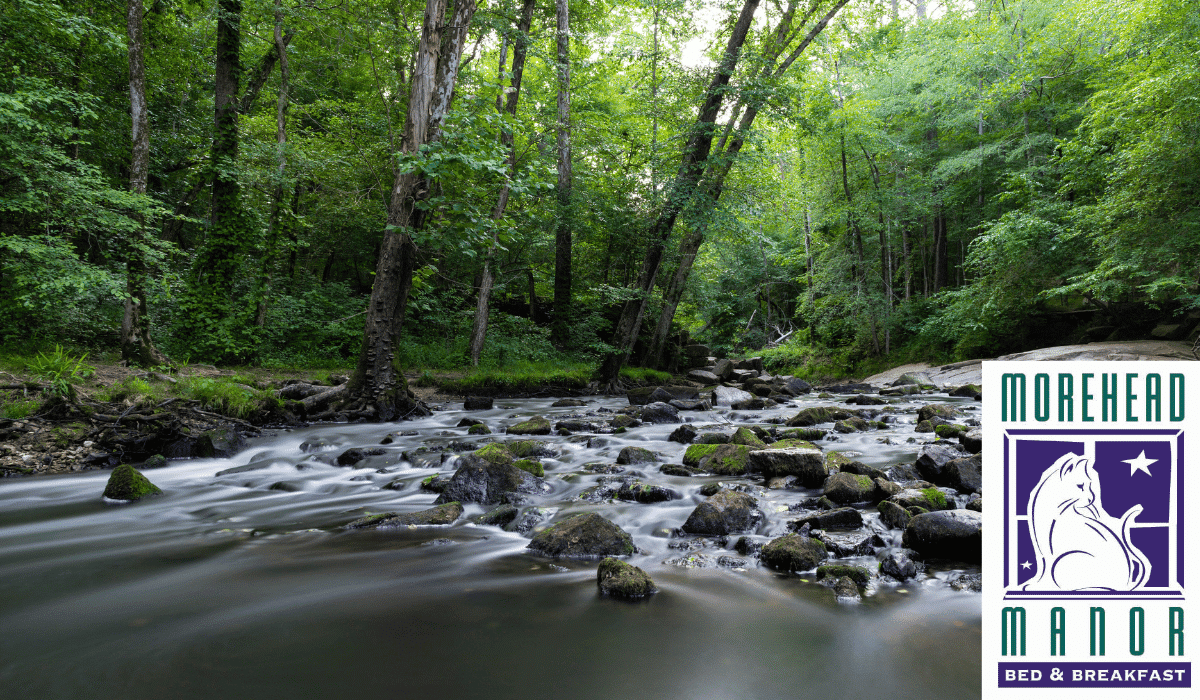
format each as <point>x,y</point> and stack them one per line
<point>228,588</point>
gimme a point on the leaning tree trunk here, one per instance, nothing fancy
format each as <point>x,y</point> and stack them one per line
<point>378,386</point>
<point>691,168</point>
<point>488,276</point>
<point>136,346</point>
<point>562,231</point>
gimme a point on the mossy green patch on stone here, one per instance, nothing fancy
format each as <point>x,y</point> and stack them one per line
<point>834,461</point>
<point>530,465</point>
<point>623,580</point>
<point>528,448</point>
<point>127,484</point>
<point>858,574</point>
<point>951,430</point>
<point>743,436</point>
<point>793,442</point>
<point>534,426</point>
<point>727,460</point>
<point>802,434</point>
<point>697,452</point>
<point>712,439</point>
<point>793,553</point>
<point>937,498</point>
<point>479,429</point>
<point>496,453</point>
<point>623,421</point>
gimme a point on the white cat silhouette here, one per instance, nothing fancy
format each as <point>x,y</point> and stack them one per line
<point>1080,546</point>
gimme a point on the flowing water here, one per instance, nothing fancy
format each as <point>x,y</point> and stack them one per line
<point>243,584</point>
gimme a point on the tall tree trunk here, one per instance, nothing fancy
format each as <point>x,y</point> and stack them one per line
<point>488,277</point>
<point>691,168</point>
<point>278,215</point>
<point>136,346</point>
<point>378,385</point>
<point>562,230</point>
<point>672,295</point>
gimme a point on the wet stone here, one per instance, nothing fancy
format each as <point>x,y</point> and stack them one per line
<point>793,553</point>
<point>837,519</point>
<point>584,535</point>
<point>902,564</point>
<point>636,455</point>
<point>684,434</point>
<point>620,579</point>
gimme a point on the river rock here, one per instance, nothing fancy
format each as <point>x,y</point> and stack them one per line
<point>972,583</point>
<point>568,403</point>
<point>866,400</point>
<point>576,425</point>
<point>921,379</point>
<point>224,441</point>
<point>971,391</point>
<point>894,515</point>
<point>500,516</point>
<point>624,421</point>
<point>932,460</point>
<point>534,426</point>
<point>623,580</point>
<point>858,574</point>
<point>807,465</point>
<point>636,455</point>
<point>950,431</point>
<point>646,493</point>
<point>947,534</point>
<point>902,564</point>
<point>529,519</point>
<point>699,375</point>
<point>837,519</point>
<point>706,519</point>
<point>928,499</point>
<point>965,474</point>
<point>726,460</point>
<point>845,589</point>
<point>585,535</point>
<point>724,512</point>
<point>444,514</point>
<point>354,455</point>
<point>906,390</point>
<point>477,403</point>
<point>936,410</point>
<point>793,553</point>
<point>727,396</point>
<point>850,543</point>
<point>795,387</point>
<point>819,414</point>
<point>659,412</point>
<point>480,481</point>
<point>743,436</point>
<point>684,434</point>
<point>972,440</point>
<point>127,484</point>
<point>723,369</point>
<point>843,488</point>
<point>751,404</point>
<point>975,504</point>
<point>479,429</point>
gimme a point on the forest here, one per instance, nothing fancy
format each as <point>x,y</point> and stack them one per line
<point>835,185</point>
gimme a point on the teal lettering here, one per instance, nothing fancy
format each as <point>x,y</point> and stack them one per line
<point>1176,397</point>
<point>1041,397</point>
<point>1153,397</point>
<point>1083,412</point>
<point>1012,631</point>
<point>1108,398</point>
<point>1066,387</point>
<point>1129,397</point>
<point>1097,619</point>
<point>1137,631</point>
<point>1012,396</point>
<point>1058,632</point>
<point>1175,631</point>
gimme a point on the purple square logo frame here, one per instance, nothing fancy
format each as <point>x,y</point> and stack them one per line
<point>1094,514</point>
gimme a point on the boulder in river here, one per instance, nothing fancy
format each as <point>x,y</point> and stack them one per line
<point>836,519</point>
<point>684,434</point>
<point>807,465</point>
<point>699,375</point>
<point>902,564</point>
<point>793,553</point>
<point>500,516</point>
<point>927,499</point>
<point>965,473</point>
<point>534,426</point>
<point>659,412</point>
<point>354,455</point>
<point>844,488</point>
<point>645,493</point>
<point>743,436</point>
<point>127,484</point>
<point>621,579</point>
<point>947,534</point>
<point>893,515</point>
<point>921,379</point>
<point>936,410</point>
<point>223,441</point>
<point>727,396</point>
<point>444,514</point>
<point>858,574</point>
<point>724,512</point>
<point>725,460</point>
<point>585,535</point>
<point>568,403</point>
<point>636,455</point>
<point>477,403</point>
<point>484,482</point>
<point>932,460</point>
<point>819,414</point>
<point>972,440</point>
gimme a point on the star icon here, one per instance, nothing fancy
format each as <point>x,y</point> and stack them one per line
<point>1026,565</point>
<point>1140,464</point>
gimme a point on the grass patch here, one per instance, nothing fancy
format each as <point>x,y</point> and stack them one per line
<point>645,375</point>
<point>520,379</point>
<point>15,409</point>
<point>226,395</point>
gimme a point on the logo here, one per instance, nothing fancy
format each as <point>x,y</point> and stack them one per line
<point>1093,514</point>
<point>1087,528</point>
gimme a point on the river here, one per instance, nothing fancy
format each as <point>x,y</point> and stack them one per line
<point>246,585</point>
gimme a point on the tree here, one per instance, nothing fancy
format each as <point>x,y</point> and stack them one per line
<point>562,226</point>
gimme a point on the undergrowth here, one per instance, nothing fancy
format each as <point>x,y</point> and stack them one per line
<point>521,378</point>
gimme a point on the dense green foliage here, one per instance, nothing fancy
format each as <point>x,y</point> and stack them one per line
<point>989,178</point>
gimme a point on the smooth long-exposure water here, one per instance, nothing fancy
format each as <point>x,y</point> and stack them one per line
<point>244,584</point>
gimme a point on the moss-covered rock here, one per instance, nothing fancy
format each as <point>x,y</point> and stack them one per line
<point>950,431</point>
<point>636,455</point>
<point>496,453</point>
<point>354,455</point>
<point>155,462</point>
<point>793,553</point>
<point>802,434</point>
<point>836,519</point>
<point>697,452</point>
<point>534,426</point>
<point>844,488</point>
<point>568,403</point>
<point>820,414</point>
<point>835,461</point>
<point>530,465</point>
<point>479,429</point>
<point>860,575</point>
<point>972,391</point>
<point>529,448</point>
<point>893,515</point>
<point>929,499</point>
<point>623,580</point>
<point>478,481</point>
<point>789,443</point>
<point>678,470</point>
<point>936,410</point>
<point>584,535</point>
<point>712,439</point>
<point>127,484</point>
<point>645,493</point>
<point>499,516</point>
<point>624,421</point>
<point>726,460</point>
<point>743,436</point>
<point>224,441</point>
<point>444,514</point>
<point>710,488</point>
<point>852,425</point>
<point>923,427</point>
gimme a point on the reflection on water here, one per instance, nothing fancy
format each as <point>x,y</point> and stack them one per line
<point>243,585</point>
